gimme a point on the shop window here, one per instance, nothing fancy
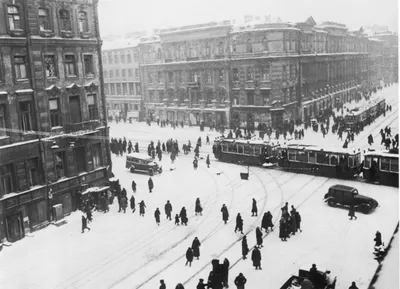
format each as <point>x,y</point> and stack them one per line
<point>50,66</point>
<point>70,65</point>
<point>20,67</point>
<point>3,120</point>
<point>44,19</point>
<point>25,116</point>
<point>61,164</point>
<point>80,159</point>
<point>88,60</point>
<point>96,155</point>
<point>65,20</point>
<point>55,112</point>
<point>33,172</point>
<point>7,179</point>
<point>92,107</point>
<point>14,18</point>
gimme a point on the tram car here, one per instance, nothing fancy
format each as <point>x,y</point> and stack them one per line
<point>371,111</point>
<point>381,167</point>
<point>244,151</point>
<point>332,163</point>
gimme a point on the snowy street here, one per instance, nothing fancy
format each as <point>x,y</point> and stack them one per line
<point>129,251</point>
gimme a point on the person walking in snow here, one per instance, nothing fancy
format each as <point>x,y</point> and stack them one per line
<point>142,207</point>
<point>254,210</point>
<point>353,285</point>
<point>352,212</point>
<point>132,204</point>
<point>378,239</point>
<point>225,214</point>
<point>298,221</point>
<point>133,186</point>
<point>225,274</point>
<point>189,257</point>
<point>240,281</point>
<point>124,203</point>
<point>168,210</point>
<point>157,216</point>
<point>256,258</point>
<point>197,208</point>
<point>265,222</point>
<point>162,286</point>
<point>151,185</point>
<point>239,223</point>
<point>84,224</point>
<point>183,216</point>
<point>259,237</point>
<point>294,222</point>
<point>177,219</point>
<point>201,285</point>
<point>179,286</point>
<point>282,229</point>
<point>208,161</point>
<point>196,248</point>
<point>195,163</point>
<point>245,248</point>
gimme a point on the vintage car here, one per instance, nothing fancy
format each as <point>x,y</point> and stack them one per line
<point>307,280</point>
<point>345,196</point>
<point>137,162</point>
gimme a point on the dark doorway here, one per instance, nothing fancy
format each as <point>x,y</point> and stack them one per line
<point>15,228</point>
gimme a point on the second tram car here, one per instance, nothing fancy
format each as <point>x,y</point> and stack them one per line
<point>381,167</point>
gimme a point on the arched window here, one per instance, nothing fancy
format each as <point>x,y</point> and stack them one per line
<point>249,46</point>
<point>44,19</point>
<point>264,44</point>
<point>65,20</point>
<point>14,19</point>
<point>83,22</point>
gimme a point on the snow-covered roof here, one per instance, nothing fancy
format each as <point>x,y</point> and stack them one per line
<point>3,92</point>
<point>24,91</point>
<point>381,153</point>
<point>120,43</point>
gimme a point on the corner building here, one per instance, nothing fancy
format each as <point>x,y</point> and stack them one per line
<point>53,129</point>
<point>257,75</point>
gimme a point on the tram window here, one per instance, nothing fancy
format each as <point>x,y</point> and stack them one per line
<point>394,165</point>
<point>224,148</point>
<point>292,155</point>
<point>351,162</point>
<point>385,164</point>
<point>301,157</point>
<point>334,160</point>
<point>232,148</point>
<point>367,162</point>
<point>247,150</point>
<point>240,149</point>
<point>311,157</point>
<point>322,158</point>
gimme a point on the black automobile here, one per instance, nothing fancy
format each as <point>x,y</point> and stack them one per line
<point>345,196</point>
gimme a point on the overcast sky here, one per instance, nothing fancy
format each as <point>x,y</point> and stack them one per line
<point>132,15</point>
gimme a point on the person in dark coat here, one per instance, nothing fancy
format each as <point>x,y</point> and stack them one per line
<point>142,207</point>
<point>136,147</point>
<point>264,222</point>
<point>157,216</point>
<point>298,221</point>
<point>282,229</point>
<point>259,237</point>
<point>225,270</point>
<point>225,214</point>
<point>254,208</point>
<point>195,163</point>
<point>168,210</point>
<point>177,219</point>
<point>239,223</point>
<point>240,281</point>
<point>201,285</point>
<point>245,248</point>
<point>132,203</point>
<point>353,285</point>
<point>208,161</point>
<point>189,257</point>
<point>151,185</point>
<point>134,186</point>
<point>294,222</point>
<point>198,209</point>
<point>84,224</point>
<point>352,212</point>
<point>378,239</point>
<point>179,286</point>
<point>124,204</point>
<point>183,216</point>
<point>89,215</point>
<point>162,286</point>
<point>196,248</point>
<point>256,258</point>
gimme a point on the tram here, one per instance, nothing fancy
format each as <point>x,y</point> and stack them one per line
<point>381,167</point>
<point>364,114</point>
<point>250,152</point>
<point>333,163</point>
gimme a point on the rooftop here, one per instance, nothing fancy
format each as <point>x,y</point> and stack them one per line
<point>120,43</point>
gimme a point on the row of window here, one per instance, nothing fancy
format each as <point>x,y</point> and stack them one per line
<point>45,23</point>
<point>123,57</point>
<point>323,158</point>
<point>126,88</point>
<point>9,182</point>
<point>110,74</point>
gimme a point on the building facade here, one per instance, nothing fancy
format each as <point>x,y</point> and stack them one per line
<point>122,79</point>
<point>255,75</point>
<point>53,127</point>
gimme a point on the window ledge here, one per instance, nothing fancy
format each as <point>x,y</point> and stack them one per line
<point>51,77</point>
<point>72,76</point>
<point>86,35</point>
<point>67,34</point>
<point>4,137</point>
<point>46,33</point>
<point>30,132</point>
<point>90,76</point>
<point>22,79</point>
<point>57,127</point>
<point>16,32</point>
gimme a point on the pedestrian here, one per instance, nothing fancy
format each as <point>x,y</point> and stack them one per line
<point>225,274</point>
<point>189,257</point>
<point>132,203</point>
<point>294,222</point>
<point>207,140</point>
<point>162,286</point>
<point>352,212</point>
<point>282,229</point>
<point>177,219</point>
<point>168,210</point>
<point>151,185</point>
<point>196,248</point>
<point>183,216</point>
<point>225,213</point>
<point>179,286</point>
<point>142,207</point>
<point>124,203</point>
<point>239,223</point>
<point>353,285</point>
<point>134,186</point>
<point>157,216</point>
<point>201,285</point>
<point>84,224</point>
<point>330,282</point>
<point>254,208</point>
<point>240,281</point>
<point>245,248</point>
<point>195,163</point>
<point>259,237</point>
<point>298,221</point>
<point>89,214</point>
<point>378,239</point>
<point>197,208</point>
<point>266,222</point>
<point>256,258</point>
<point>208,161</point>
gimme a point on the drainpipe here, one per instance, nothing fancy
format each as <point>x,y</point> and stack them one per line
<point>101,77</point>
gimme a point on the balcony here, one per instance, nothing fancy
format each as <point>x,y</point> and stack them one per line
<point>90,125</point>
